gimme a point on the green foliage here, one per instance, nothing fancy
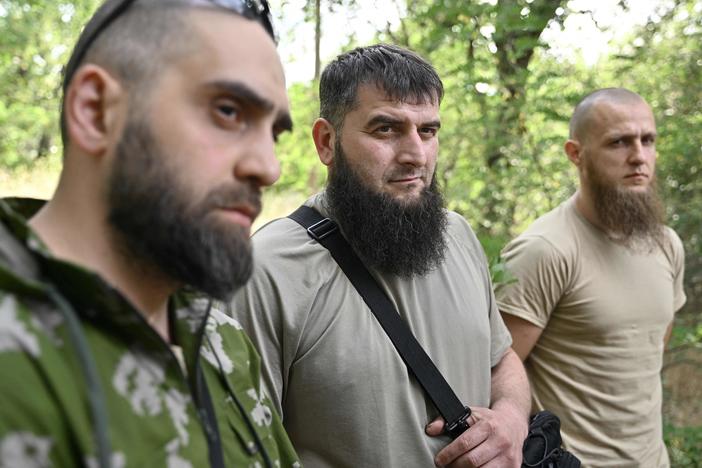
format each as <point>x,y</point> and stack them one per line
<point>686,336</point>
<point>34,45</point>
<point>498,269</point>
<point>300,167</point>
<point>684,446</point>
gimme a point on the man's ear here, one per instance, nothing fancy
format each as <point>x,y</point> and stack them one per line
<point>93,109</point>
<point>573,150</point>
<point>324,136</point>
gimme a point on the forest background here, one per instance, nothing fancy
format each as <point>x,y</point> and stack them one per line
<point>510,91</point>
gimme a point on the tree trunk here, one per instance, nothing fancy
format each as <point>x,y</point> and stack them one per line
<point>317,38</point>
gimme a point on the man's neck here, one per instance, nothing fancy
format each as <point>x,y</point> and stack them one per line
<point>73,232</point>
<point>585,206</point>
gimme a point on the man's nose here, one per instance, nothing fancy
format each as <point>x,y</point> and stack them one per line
<point>258,161</point>
<point>412,150</point>
<point>637,153</point>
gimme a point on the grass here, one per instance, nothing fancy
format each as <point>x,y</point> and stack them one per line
<point>684,446</point>
<point>38,182</point>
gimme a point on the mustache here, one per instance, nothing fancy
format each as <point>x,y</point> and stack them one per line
<point>246,195</point>
<point>406,172</point>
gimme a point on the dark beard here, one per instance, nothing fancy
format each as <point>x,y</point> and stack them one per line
<point>632,219</point>
<point>151,211</point>
<point>398,238</point>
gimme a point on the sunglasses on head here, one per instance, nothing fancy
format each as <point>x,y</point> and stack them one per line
<point>257,10</point>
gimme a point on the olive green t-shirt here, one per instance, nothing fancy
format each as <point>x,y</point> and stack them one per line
<point>346,396</point>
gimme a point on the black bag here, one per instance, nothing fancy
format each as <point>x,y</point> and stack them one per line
<point>542,447</point>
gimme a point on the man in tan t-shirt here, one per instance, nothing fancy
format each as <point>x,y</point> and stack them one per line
<point>598,282</point>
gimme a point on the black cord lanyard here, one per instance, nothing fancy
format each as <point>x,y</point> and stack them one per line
<point>327,233</point>
<point>96,396</point>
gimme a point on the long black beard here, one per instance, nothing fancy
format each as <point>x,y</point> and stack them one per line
<point>398,238</point>
<point>164,231</point>
<point>632,219</point>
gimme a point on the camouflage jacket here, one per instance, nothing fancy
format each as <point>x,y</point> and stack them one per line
<point>85,381</point>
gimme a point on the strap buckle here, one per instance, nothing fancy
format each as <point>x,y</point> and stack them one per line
<point>459,426</point>
<point>322,229</point>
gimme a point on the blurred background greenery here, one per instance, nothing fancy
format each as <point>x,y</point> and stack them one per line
<point>513,70</point>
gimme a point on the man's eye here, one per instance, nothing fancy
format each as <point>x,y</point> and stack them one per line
<point>429,131</point>
<point>383,129</point>
<point>228,112</point>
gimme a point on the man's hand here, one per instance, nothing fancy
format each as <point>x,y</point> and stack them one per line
<point>493,440</point>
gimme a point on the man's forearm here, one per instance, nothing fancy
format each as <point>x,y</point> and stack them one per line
<point>510,386</point>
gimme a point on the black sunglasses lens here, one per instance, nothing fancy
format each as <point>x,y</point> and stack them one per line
<point>253,9</point>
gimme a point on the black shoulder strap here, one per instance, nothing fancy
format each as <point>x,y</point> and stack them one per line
<point>327,233</point>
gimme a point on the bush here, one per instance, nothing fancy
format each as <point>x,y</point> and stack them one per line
<point>684,446</point>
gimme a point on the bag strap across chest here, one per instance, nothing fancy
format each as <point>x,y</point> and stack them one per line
<point>326,232</point>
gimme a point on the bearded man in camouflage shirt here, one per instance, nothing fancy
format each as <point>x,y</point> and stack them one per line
<point>111,355</point>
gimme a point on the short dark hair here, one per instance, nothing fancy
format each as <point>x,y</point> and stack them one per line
<point>136,46</point>
<point>401,73</point>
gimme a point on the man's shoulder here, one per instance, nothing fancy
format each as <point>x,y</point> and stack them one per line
<point>227,346</point>
<point>279,230</point>
<point>222,322</point>
<point>457,219</point>
<point>458,226</point>
<point>557,228</point>
<point>672,239</point>
<point>19,333</point>
<point>283,240</point>
<point>284,232</point>
<point>672,246</point>
<point>283,247</point>
<point>552,240</point>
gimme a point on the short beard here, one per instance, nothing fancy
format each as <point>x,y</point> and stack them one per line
<point>394,237</point>
<point>159,227</point>
<point>632,219</point>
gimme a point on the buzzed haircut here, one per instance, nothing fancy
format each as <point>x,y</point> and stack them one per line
<point>136,46</point>
<point>402,74</point>
<point>581,115</point>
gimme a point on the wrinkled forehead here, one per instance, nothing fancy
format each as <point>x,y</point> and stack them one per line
<point>428,97</point>
<point>371,95</point>
<point>233,47</point>
<point>608,115</point>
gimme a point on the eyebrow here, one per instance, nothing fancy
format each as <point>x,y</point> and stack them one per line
<point>253,99</point>
<point>388,120</point>
<point>629,135</point>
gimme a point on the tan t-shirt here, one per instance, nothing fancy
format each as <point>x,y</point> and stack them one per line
<point>604,311</point>
<point>346,397</point>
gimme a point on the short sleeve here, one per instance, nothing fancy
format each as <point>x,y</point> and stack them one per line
<point>540,277</point>
<point>678,265</point>
<point>500,338</point>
